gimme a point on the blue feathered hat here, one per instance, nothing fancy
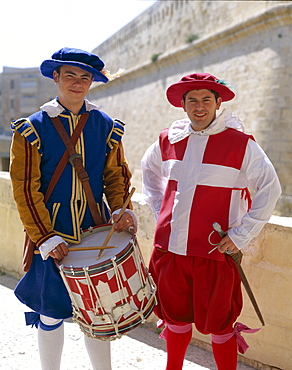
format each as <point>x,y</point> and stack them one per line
<point>79,58</point>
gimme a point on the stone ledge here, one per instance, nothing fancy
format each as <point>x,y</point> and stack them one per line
<point>267,267</point>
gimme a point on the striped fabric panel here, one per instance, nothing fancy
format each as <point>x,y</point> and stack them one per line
<point>28,193</point>
<point>125,173</point>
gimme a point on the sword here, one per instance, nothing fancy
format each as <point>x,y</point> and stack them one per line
<point>237,257</point>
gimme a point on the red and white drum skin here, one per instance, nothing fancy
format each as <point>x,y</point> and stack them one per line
<point>113,294</point>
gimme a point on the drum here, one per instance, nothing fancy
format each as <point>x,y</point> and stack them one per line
<point>112,294</point>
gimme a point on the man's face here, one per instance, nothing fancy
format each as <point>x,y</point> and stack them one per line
<point>73,85</point>
<point>201,106</point>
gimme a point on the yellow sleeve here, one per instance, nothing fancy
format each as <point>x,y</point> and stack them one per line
<point>25,177</point>
<point>117,178</point>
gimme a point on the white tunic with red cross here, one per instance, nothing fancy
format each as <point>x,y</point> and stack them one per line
<point>193,179</point>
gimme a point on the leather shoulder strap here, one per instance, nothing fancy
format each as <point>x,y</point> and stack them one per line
<point>64,160</point>
<point>77,162</point>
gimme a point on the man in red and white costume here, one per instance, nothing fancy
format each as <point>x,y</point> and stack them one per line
<point>198,172</point>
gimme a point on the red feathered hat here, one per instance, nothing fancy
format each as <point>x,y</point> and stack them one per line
<point>197,81</point>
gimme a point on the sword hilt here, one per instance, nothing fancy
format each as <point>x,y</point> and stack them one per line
<point>217,227</point>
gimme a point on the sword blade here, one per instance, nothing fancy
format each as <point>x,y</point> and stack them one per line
<point>250,293</point>
<point>237,257</point>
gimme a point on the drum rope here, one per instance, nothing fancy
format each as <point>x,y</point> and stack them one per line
<point>138,263</point>
<point>119,281</point>
<point>75,306</point>
<point>143,279</point>
<point>100,332</point>
<point>93,289</point>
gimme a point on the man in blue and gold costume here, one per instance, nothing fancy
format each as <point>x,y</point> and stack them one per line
<point>52,223</point>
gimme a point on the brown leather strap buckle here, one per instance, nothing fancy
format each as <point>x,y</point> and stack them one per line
<point>73,157</point>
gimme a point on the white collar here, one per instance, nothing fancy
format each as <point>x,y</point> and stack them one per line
<point>54,108</point>
<point>180,129</point>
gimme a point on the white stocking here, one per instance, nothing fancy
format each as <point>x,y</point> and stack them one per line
<point>50,347</point>
<point>99,353</point>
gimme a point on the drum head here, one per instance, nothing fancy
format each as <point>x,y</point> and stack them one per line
<point>86,258</point>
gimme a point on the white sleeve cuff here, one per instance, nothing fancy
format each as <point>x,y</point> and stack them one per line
<point>132,213</point>
<point>240,236</point>
<point>49,245</point>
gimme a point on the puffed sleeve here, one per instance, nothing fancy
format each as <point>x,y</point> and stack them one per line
<point>153,180</point>
<point>117,178</point>
<point>261,176</point>
<point>25,177</point>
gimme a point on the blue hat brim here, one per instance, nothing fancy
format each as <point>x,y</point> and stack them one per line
<point>48,67</point>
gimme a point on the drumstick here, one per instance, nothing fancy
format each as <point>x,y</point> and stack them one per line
<point>112,230</point>
<point>73,249</point>
<point>91,248</point>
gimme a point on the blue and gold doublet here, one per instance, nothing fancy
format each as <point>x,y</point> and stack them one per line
<point>67,204</point>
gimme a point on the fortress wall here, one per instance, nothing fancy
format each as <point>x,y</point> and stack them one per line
<point>252,54</point>
<point>168,24</point>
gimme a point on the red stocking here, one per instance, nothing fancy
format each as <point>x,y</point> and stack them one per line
<point>225,354</point>
<point>176,345</point>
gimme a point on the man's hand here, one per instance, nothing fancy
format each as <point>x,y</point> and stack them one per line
<point>59,252</point>
<point>227,245</point>
<point>125,222</point>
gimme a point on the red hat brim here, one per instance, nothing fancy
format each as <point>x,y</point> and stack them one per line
<point>176,91</point>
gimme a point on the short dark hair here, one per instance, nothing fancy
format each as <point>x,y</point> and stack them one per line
<point>212,91</point>
<point>58,69</point>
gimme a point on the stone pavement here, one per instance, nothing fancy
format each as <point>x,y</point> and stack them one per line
<point>139,349</point>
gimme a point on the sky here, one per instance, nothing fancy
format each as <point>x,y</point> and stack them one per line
<point>32,30</point>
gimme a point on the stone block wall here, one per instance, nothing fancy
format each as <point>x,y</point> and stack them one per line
<point>11,230</point>
<point>167,25</point>
<point>248,45</point>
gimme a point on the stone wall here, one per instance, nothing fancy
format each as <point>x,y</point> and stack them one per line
<point>11,230</point>
<point>5,142</point>
<point>245,43</point>
<point>169,24</point>
<point>267,263</point>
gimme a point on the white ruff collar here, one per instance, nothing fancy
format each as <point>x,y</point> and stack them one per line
<point>180,129</point>
<point>54,108</point>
